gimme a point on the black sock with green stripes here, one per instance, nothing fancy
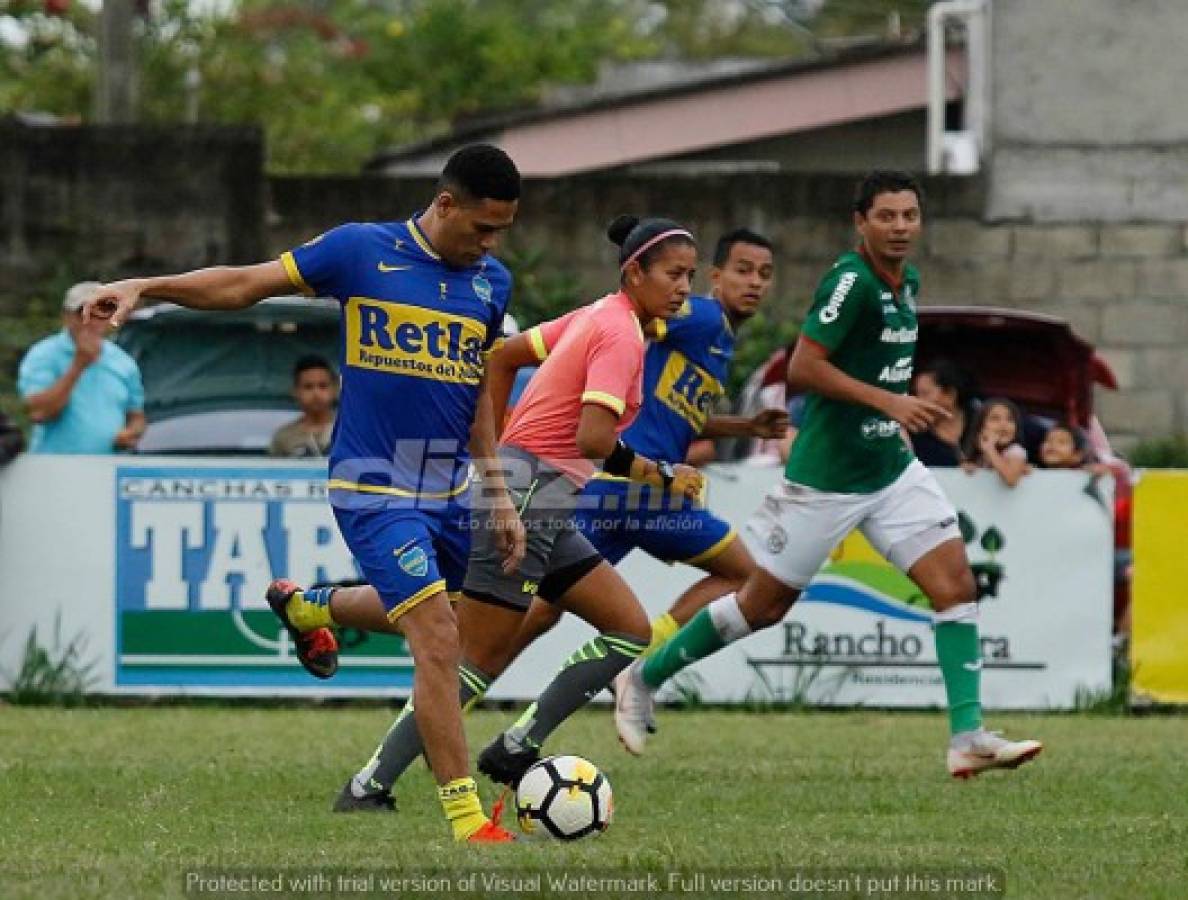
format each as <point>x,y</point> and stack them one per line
<point>402,744</point>
<point>583,675</point>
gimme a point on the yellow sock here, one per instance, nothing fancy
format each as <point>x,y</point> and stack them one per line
<point>460,801</point>
<point>663,628</point>
<point>308,610</point>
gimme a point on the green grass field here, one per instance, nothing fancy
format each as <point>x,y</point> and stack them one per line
<point>121,802</point>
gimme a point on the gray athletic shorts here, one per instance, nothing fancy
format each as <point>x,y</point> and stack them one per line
<point>558,555</point>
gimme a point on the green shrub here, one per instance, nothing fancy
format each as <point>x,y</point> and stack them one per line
<point>58,675</point>
<point>1169,452</point>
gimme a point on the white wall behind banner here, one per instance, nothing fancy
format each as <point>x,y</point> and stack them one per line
<point>160,564</point>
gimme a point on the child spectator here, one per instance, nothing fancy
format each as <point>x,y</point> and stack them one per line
<point>994,442</point>
<point>315,388</point>
<point>1065,447</point>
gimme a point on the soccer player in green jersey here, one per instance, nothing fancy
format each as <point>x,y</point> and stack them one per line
<point>851,467</point>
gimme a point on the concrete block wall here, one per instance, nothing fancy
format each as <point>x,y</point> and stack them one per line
<point>1123,287</point>
<point>104,202</point>
<point>1088,118</point>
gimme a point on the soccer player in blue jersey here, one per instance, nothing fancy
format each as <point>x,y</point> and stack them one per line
<point>422,303</point>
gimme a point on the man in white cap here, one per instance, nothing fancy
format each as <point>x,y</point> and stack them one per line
<point>83,393</point>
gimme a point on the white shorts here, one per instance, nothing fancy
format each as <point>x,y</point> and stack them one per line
<point>796,528</point>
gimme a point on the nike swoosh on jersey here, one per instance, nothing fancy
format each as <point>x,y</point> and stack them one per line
<point>384,267</point>
<point>717,351</point>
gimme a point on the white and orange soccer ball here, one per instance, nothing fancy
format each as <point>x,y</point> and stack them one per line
<point>564,797</point>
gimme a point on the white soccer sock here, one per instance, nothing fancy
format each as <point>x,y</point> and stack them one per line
<point>962,612</point>
<point>728,619</point>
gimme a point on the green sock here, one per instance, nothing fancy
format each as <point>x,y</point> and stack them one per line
<point>960,657</point>
<point>664,628</point>
<point>697,640</point>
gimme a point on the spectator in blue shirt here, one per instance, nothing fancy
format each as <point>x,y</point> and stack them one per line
<point>83,393</point>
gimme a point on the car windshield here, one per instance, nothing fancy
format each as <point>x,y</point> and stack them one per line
<point>223,383</point>
<point>235,432</point>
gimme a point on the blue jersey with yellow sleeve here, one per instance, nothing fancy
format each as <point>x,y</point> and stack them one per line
<point>414,334</point>
<point>684,374</point>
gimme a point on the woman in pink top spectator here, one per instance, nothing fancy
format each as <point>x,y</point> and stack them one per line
<point>567,423</point>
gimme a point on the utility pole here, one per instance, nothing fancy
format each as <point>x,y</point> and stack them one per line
<point>115,93</point>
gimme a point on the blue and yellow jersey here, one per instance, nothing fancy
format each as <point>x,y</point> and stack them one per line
<point>414,334</point>
<point>684,374</point>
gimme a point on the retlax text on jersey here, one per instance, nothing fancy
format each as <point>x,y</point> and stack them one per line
<point>401,339</point>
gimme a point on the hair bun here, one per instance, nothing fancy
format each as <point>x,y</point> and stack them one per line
<point>622,226</point>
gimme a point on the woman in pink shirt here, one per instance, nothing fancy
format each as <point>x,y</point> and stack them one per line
<point>567,423</point>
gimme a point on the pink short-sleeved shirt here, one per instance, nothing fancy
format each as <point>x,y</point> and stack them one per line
<point>592,355</point>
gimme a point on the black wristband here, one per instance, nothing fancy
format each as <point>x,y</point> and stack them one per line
<point>620,460</point>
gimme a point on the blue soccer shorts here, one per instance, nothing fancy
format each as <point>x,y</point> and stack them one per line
<point>618,516</point>
<point>406,553</point>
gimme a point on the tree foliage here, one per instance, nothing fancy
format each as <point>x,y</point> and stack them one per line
<point>333,81</point>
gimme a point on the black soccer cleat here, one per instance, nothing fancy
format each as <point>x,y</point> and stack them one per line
<point>317,650</point>
<point>506,766</point>
<point>373,801</point>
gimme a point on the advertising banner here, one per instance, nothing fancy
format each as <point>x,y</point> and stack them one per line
<point>195,551</point>
<point>159,566</point>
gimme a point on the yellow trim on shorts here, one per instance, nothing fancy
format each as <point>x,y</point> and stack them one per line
<point>715,550</point>
<point>420,596</point>
<point>336,484</point>
<point>604,399</point>
<point>294,273</point>
<point>536,341</point>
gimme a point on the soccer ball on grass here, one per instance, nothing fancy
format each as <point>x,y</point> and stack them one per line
<point>564,797</point>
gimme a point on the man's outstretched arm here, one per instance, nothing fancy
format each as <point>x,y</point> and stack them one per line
<point>217,288</point>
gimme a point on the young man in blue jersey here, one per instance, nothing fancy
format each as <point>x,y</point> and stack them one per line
<point>422,303</point>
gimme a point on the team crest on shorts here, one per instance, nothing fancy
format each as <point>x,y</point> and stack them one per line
<point>777,540</point>
<point>415,562</point>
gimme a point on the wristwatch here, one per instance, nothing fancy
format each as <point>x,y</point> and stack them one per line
<point>667,475</point>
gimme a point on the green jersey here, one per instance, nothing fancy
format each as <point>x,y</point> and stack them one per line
<point>869,328</point>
